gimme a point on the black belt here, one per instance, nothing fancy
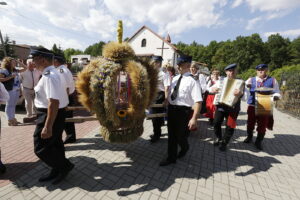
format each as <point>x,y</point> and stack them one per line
<point>46,109</point>
<point>28,88</point>
<point>180,107</point>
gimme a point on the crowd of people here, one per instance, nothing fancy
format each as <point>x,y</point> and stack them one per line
<point>47,85</point>
<point>192,92</point>
<point>185,92</point>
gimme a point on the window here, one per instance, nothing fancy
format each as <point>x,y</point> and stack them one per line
<point>144,42</point>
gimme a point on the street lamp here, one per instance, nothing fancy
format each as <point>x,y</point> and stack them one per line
<point>4,50</point>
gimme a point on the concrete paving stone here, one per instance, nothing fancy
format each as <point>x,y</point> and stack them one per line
<point>254,196</point>
<point>154,197</point>
<point>17,197</point>
<point>10,194</point>
<point>173,194</point>
<point>234,192</point>
<point>88,197</point>
<point>145,195</point>
<point>41,192</point>
<point>242,194</point>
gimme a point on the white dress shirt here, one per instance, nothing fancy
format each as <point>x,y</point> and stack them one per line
<point>30,78</point>
<point>164,80</point>
<point>189,91</point>
<point>66,74</point>
<point>50,87</point>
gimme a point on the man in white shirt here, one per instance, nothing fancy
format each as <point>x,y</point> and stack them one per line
<point>29,80</point>
<point>50,100</point>
<point>164,82</point>
<point>67,77</point>
<point>185,93</point>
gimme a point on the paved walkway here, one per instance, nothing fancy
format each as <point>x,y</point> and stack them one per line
<point>106,171</point>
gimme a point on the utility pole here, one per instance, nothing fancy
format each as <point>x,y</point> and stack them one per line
<point>3,45</point>
<point>2,42</point>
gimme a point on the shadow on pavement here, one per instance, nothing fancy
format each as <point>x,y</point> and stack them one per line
<point>140,172</point>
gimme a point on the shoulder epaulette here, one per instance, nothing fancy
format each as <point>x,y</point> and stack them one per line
<point>47,72</point>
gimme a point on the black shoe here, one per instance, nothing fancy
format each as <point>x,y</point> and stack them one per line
<point>181,154</point>
<point>154,139</point>
<point>211,122</point>
<point>166,162</point>
<point>70,140</point>
<point>62,175</point>
<point>222,147</point>
<point>258,145</point>
<point>217,141</point>
<point>2,168</point>
<point>248,139</point>
<point>53,174</point>
<point>258,142</point>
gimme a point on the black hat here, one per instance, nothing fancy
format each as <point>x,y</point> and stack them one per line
<point>60,58</point>
<point>40,51</point>
<point>231,66</point>
<point>157,58</point>
<point>261,66</point>
<point>184,59</point>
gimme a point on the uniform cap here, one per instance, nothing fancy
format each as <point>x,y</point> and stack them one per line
<point>40,51</point>
<point>184,59</point>
<point>261,66</point>
<point>157,58</point>
<point>231,66</point>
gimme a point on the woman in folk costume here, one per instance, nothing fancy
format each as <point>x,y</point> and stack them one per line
<point>265,84</point>
<point>210,107</point>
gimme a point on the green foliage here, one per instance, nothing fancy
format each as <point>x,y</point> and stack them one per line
<point>70,51</point>
<point>278,73</point>
<point>246,51</point>
<point>95,49</point>
<point>247,74</point>
<point>8,47</point>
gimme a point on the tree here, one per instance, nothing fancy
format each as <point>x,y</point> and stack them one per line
<point>8,48</point>
<point>57,50</point>
<point>278,48</point>
<point>70,51</point>
<point>294,51</point>
<point>95,49</point>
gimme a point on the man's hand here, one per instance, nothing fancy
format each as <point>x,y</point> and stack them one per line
<point>215,90</point>
<point>192,124</point>
<point>237,92</point>
<point>46,133</point>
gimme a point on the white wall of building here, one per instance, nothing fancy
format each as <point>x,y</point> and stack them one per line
<point>153,43</point>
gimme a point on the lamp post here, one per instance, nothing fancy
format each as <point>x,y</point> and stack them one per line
<point>4,50</point>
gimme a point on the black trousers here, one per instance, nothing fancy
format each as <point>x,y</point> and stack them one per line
<point>70,126</point>
<point>178,131</point>
<point>218,120</point>
<point>51,150</point>
<point>158,122</point>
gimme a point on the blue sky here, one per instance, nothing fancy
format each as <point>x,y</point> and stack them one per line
<point>80,23</point>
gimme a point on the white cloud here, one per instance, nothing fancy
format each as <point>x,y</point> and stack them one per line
<point>175,16</point>
<point>273,5</point>
<point>25,35</point>
<point>288,33</point>
<point>252,23</point>
<point>72,15</point>
<point>236,3</point>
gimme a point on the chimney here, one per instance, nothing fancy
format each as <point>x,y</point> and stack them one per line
<point>168,38</point>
